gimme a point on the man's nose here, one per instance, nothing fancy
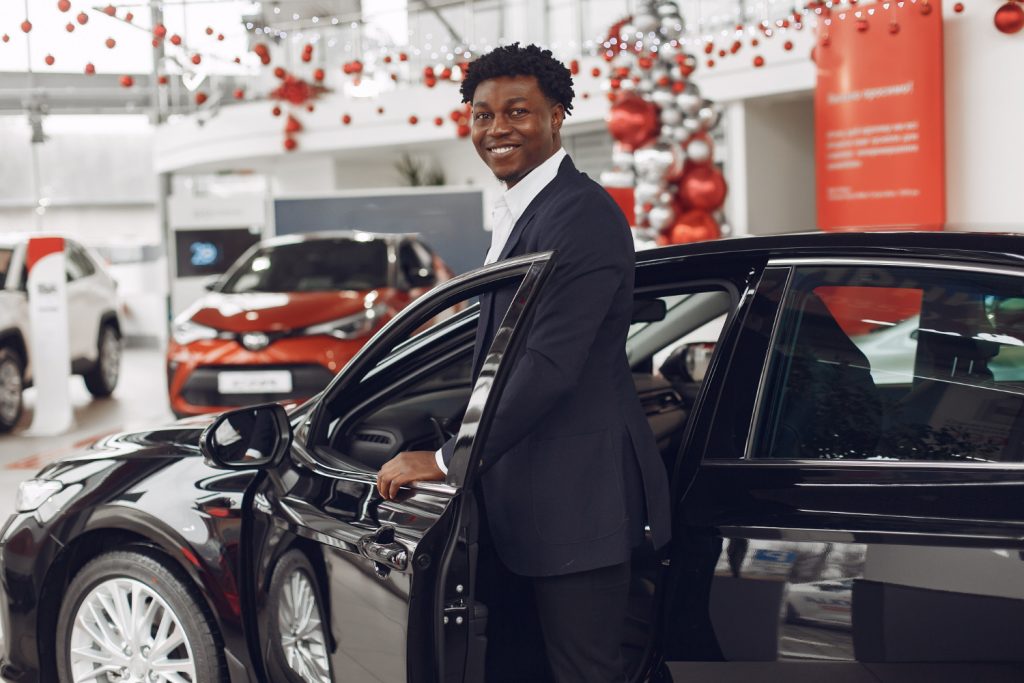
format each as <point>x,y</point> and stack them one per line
<point>499,126</point>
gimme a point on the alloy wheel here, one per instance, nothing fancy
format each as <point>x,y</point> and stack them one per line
<point>124,632</point>
<point>11,386</point>
<point>302,634</point>
<point>110,357</point>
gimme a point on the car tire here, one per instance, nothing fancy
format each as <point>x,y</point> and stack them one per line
<point>12,385</point>
<point>100,597</point>
<point>298,649</point>
<point>792,616</point>
<point>101,380</point>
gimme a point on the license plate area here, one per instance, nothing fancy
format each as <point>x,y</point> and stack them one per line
<point>255,382</point>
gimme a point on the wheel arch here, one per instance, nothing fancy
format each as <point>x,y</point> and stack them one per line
<point>12,337</point>
<point>98,540</point>
<point>111,318</point>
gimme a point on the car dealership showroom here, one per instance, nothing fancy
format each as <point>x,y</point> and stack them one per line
<point>476,341</point>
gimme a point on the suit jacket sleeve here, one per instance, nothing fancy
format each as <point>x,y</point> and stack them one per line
<point>592,259</point>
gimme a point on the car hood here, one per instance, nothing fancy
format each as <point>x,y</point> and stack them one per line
<point>278,311</point>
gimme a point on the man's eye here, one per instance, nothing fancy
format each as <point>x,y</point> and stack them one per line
<point>480,115</point>
<point>519,112</point>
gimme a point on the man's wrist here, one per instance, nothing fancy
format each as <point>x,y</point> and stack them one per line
<point>439,459</point>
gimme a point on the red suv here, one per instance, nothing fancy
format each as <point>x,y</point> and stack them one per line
<point>288,315</point>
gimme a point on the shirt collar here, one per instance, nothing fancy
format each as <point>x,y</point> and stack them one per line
<point>519,196</point>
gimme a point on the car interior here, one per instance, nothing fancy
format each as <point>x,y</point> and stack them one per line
<point>420,399</point>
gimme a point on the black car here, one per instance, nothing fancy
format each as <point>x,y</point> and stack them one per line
<point>833,519</point>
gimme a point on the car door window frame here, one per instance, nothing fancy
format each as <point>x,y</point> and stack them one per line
<point>371,358</point>
<point>757,417</point>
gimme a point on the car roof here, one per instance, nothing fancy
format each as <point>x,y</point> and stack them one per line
<point>356,235</point>
<point>1003,248</point>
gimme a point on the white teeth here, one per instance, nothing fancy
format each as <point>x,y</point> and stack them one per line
<point>501,150</point>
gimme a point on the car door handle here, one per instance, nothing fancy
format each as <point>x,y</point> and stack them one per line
<point>385,553</point>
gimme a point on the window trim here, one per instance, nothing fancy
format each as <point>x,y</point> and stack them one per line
<point>752,432</point>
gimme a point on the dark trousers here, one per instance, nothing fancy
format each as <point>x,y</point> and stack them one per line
<point>565,629</point>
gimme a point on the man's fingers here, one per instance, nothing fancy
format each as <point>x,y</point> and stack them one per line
<point>396,483</point>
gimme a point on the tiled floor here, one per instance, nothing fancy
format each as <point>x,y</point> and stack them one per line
<point>139,401</point>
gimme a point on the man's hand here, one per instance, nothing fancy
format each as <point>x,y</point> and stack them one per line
<point>405,468</point>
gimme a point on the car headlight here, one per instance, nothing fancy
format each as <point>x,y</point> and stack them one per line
<point>34,492</point>
<point>351,326</point>
<point>186,332</point>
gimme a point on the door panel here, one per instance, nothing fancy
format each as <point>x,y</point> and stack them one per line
<point>855,511</point>
<point>390,573</point>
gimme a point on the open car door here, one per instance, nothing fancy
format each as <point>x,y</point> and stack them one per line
<point>342,585</point>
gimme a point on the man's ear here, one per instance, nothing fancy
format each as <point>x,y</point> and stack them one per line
<point>557,116</point>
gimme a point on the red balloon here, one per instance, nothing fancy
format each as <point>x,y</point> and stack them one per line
<point>90,69</point>
<point>290,144</point>
<point>633,121</point>
<point>49,60</point>
<point>239,94</point>
<point>703,187</point>
<point>694,226</point>
<point>63,5</point>
<point>26,26</point>
<point>346,119</point>
<point>1010,18</point>
<point>127,81</point>
<point>292,125</point>
<point>82,18</point>
<point>110,42</point>
<point>200,97</point>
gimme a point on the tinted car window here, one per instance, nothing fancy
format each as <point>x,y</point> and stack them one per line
<point>897,364</point>
<point>313,266</point>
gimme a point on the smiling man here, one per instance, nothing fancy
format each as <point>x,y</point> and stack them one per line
<point>570,468</point>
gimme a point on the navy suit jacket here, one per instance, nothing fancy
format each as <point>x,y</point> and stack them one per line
<point>560,487</point>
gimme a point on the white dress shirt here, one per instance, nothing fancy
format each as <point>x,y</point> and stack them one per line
<point>506,213</point>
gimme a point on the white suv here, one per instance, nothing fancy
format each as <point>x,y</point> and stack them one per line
<point>94,329</point>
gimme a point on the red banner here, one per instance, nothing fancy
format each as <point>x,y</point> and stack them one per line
<point>879,124</point>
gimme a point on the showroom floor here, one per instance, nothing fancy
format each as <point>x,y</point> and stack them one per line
<point>139,401</point>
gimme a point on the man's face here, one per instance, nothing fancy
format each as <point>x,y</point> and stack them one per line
<point>515,127</point>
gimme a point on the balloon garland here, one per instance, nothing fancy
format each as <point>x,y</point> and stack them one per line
<point>661,126</point>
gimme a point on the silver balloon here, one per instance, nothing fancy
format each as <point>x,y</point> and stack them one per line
<point>663,98</point>
<point>641,215</point>
<point>688,102</point>
<point>668,9</point>
<point>617,178</point>
<point>653,161</point>
<point>671,116</point>
<point>623,59</point>
<point>698,150</point>
<point>708,117</point>
<point>628,85</point>
<point>692,124</point>
<point>665,198</point>
<point>627,33</point>
<point>645,23</point>
<point>645,85</point>
<point>680,134</point>
<point>622,158</point>
<point>667,52</point>
<point>646,192</point>
<point>671,25</point>
<point>660,217</point>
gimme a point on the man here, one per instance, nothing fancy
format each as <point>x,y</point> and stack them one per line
<point>569,465</point>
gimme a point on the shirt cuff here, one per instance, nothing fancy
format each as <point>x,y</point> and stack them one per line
<point>439,458</point>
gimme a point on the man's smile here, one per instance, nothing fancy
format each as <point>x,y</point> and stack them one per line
<point>502,150</point>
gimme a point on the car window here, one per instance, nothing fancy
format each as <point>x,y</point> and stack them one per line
<point>76,263</point>
<point>897,364</point>
<point>414,260</point>
<point>414,394</point>
<point>315,265</point>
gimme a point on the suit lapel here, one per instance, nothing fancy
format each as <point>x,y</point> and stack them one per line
<point>565,170</point>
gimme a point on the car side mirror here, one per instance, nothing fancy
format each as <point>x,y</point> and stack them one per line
<point>248,438</point>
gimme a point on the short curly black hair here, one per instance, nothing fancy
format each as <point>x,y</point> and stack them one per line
<point>554,79</point>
